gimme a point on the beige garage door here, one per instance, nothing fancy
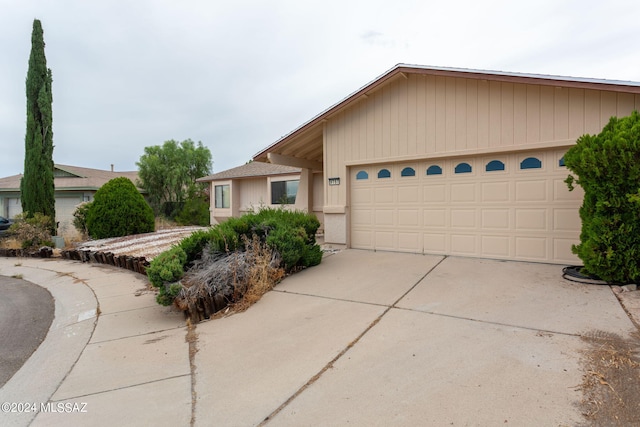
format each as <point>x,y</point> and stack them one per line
<point>14,207</point>
<point>65,207</point>
<point>512,206</point>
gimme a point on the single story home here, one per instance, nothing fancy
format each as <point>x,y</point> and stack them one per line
<point>453,161</point>
<point>256,184</point>
<point>73,185</point>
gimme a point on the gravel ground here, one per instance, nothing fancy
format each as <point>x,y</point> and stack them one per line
<point>147,245</point>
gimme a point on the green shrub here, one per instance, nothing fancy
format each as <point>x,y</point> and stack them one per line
<point>289,242</point>
<point>164,271</point>
<point>607,166</point>
<point>194,212</point>
<point>80,217</point>
<point>290,233</point>
<point>118,209</point>
<point>194,244</point>
<point>167,267</point>
<point>312,255</point>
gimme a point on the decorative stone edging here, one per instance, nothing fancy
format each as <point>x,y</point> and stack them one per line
<point>43,252</point>
<point>128,262</point>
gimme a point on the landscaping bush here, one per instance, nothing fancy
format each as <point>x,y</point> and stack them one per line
<point>118,209</point>
<point>80,217</point>
<point>164,271</point>
<point>32,232</point>
<point>290,234</point>
<point>607,167</point>
<point>194,212</point>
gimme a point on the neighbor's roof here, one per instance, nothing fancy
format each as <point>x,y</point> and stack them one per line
<point>251,170</point>
<point>70,178</point>
<point>312,130</point>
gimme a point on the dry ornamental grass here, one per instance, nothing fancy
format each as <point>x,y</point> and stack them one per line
<point>238,279</point>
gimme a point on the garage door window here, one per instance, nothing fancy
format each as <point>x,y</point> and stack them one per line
<point>494,165</point>
<point>531,163</point>
<point>434,170</point>
<point>384,173</point>
<point>561,162</point>
<point>408,172</point>
<point>362,175</point>
<point>463,168</point>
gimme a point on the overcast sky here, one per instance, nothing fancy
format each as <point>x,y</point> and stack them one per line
<point>237,75</point>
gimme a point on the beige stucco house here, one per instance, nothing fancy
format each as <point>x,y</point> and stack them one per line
<point>453,161</point>
<point>73,185</point>
<point>257,184</point>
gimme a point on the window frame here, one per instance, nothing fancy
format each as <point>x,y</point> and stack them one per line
<point>286,192</point>
<point>221,197</point>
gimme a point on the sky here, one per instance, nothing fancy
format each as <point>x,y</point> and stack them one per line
<point>237,75</point>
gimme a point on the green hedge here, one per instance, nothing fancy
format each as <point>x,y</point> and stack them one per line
<point>290,233</point>
<point>607,166</point>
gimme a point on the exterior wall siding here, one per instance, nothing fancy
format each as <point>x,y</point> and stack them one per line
<point>253,193</point>
<point>423,116</point>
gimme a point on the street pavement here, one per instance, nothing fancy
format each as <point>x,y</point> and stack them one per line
<point>365,338</point>
<point>26,312</point>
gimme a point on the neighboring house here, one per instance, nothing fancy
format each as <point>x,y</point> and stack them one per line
<point>257,184</point>
<point>73,185</point>
<point>454,161</point>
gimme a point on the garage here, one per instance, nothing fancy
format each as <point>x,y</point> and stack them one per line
<point>65,207</point>
<point>506,206</point>
<point>14,207</point>
<point>440,160</point>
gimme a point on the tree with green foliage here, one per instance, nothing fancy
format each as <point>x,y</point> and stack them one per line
<point>118,209</point>
<point>168,173</point>
<point>607,167</point>
<point>36,187</point>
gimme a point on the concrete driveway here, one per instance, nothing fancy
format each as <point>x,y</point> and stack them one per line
<point>376,338</point>
<point>365,338</point>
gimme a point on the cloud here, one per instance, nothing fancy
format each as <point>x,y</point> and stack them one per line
<point>239,75</point>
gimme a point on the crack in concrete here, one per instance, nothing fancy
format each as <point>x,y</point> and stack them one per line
<point>329,365</point>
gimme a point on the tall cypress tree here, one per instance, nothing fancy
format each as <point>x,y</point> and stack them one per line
<point>36,187</point>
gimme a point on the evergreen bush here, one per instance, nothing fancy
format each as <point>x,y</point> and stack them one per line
<point>290,233</point>
<point>607,167</point>
<point>80,217</point>
<point>195,211</point>
<point>118,209</point>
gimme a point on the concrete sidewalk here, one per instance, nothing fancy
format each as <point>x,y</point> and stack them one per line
<point>127,366</point>
<point>366,338</point>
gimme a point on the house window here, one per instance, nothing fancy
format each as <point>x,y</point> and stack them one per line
<point>384,173</point>
<point>434,170</point>
<point>494,165</point>
<point>408,172</point>
<point>284,192</point>
<point>362,175</point>
<point>222,196</point>
<point>463,168</point>
<point>530,163</point>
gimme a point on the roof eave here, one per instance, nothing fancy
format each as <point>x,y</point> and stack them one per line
<point>401,69</point>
